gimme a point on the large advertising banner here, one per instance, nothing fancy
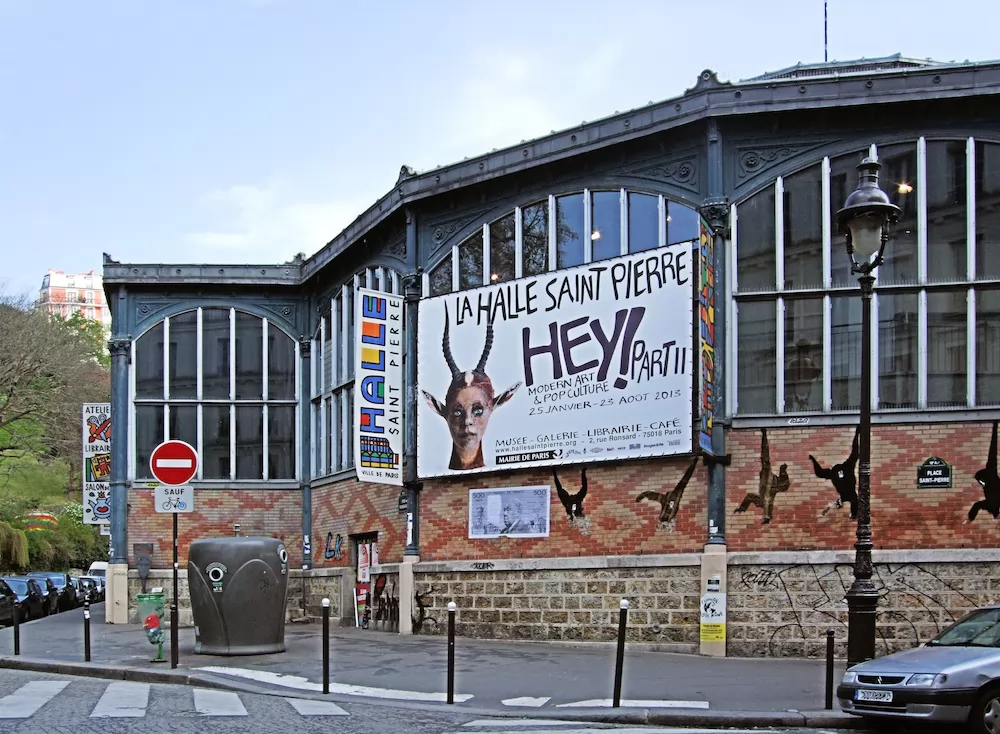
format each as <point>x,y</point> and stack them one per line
<point>97,463</point>
<point>585,364</point>
<point>378,387</point>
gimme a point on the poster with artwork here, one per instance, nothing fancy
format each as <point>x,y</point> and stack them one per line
<point>97,463</point>
<point>590,363</point>
<point>520,512</point>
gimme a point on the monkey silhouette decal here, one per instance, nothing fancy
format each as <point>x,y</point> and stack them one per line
<point>987,477</point>
<point>843,479</point>
<point>670,501</point>
<point>770,484</point>
<point>573,503</point>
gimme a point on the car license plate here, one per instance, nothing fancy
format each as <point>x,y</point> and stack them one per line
<point>881,696</point>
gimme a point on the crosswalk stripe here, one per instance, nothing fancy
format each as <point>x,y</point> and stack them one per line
<point>209,702</point>
<point>30,697</point>
<point>308,707</point>
<point>123,700</point>
<point>531,701</point>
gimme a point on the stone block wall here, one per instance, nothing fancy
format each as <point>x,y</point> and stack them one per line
<point>566,599</point>
<point>782,604</point>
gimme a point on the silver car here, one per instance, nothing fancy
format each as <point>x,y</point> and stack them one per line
<point>953,678</point>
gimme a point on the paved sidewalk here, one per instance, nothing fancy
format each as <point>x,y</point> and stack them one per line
<point>519,678</point>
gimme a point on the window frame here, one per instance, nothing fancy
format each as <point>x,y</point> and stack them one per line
<point>832,247</point>
<point>200,401</point>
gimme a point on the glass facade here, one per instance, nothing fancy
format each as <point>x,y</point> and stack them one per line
<point>796,303</point>
<point>224,381</point>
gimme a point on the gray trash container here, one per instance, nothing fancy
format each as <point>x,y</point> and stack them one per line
<point>238,587</point>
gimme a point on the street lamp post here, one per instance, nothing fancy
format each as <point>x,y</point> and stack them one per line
<point>865,220</point>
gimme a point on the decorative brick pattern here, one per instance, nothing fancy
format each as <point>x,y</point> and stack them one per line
<point>615,523</point>
<point>348,508</point>
<point>567,604</point>
<point>785,610</point>
<point>903,516</point>
<point>273,513</point>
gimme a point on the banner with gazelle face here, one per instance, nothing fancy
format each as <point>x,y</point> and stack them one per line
<point>590,363</point>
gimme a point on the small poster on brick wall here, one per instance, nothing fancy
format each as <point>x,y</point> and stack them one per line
<point>519,512</point>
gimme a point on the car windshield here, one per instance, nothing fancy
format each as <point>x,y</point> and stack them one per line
<point>979,629</point>
<point>19,587</point>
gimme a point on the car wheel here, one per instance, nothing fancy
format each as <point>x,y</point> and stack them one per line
<point>985,717</point>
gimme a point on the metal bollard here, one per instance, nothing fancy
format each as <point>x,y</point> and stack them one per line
<point>86,631</point>
<point>452,608</point>
<point>326,645</point>
<point>17,630</point>
<point>620,658</point>
<point>829,670</point>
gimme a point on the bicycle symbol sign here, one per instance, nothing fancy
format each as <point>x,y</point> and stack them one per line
<point>173,499</point>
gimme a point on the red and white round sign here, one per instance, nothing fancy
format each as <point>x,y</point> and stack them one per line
<point>174,462</point>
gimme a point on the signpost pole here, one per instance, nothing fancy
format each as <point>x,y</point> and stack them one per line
<point>174,632</point>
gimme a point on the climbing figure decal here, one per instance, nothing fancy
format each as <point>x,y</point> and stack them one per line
<point>987,477</point>
<point>843,479</point>
<point>670,501</point>
<point>770,484</point>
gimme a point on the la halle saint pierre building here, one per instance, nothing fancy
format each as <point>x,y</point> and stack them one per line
<point>655,307</point>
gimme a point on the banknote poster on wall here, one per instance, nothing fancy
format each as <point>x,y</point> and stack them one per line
<point>97,463</point>
<point>521,512</point>
<point>378,387</point>
<point>585,364</point>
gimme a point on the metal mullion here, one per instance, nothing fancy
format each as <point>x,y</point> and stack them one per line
<point>921,210</point>
<point>732,312</point>
<point>166,359</point>
<point>200,440</point>
<point>486,255</point>
<point>264,458</point>
<point>333,442</point>
<point>827,226</point>
<point>199,352</point>
<point>334,362</point>
<point>970,209</point>
<point>779,372</point>
<point>779,234</point>
<point>970,349</point>
<point>166,421</point>
<point>454,269</point>
<point>345,411</point>
<point>383,280</point>
<point>827,354</point>
<point>369,279</point>
<point>425,284</point>
<point>623,219</point>
<point>552,233</point>
<point>661,229</point>
<point>263,360</point>
<point>922,351</point>
<point>130,468</point>
<point>322,355</point>
<point>232,354</point>
<point>518,242</point>
<point>588,227</point>
<point>232,441</point>
<point>394,279</point>
<point>312,368</point>
<point>343,329</point>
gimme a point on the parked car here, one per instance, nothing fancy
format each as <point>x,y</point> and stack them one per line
<point>66,594</point>
<point>954,678</point>
<point>91,589</point>
<point>49,591</point>
<point>98,569</point>
<point>81,594</point>
<point>32,602</point>
<point>8,601</point>
<point>101,584</point>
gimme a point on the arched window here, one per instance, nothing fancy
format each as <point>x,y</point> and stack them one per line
<point>224,381</point>
<point>332,367</point>
<point>561,231</point>
<point>936,310</point>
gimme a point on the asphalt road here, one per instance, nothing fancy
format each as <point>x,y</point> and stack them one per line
<point>58,704</point>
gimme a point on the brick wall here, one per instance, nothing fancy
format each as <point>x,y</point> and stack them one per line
<point>903,516</point>
<point>350,507</point>
<point>615,523</point>
<point>275,513</point>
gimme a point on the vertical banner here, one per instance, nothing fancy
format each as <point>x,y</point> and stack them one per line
<point>378,387</point>
<point>97,463</point>
<point>706,326</point>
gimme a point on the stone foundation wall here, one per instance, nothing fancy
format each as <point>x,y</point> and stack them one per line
<point>566,599</point>
<point>782,604</point>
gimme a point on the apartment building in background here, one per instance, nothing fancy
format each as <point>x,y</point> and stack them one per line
<point>63,294</point>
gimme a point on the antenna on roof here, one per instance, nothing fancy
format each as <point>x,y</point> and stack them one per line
<point>826,57</point>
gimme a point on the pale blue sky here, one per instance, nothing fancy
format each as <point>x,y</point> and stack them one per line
<point>250,130</point>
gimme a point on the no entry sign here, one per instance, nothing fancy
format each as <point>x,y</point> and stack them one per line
<point>174,462</point>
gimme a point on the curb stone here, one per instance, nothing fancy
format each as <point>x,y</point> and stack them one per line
<point>717,719</point>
